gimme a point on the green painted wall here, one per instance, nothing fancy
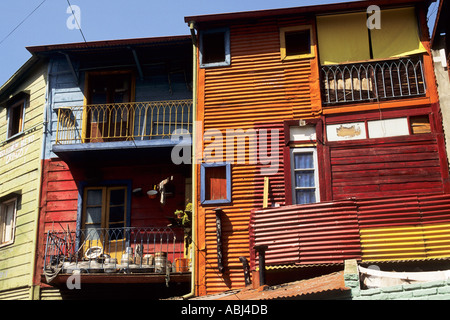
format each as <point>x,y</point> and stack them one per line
<point>20,172</point>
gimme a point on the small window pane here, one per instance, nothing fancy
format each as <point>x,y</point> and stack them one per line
<point>15,119</point>
<point>117,197</point>
<point>94,197</point>
<point>116,214</point>
<point>304,160</point>
<point>304,179</point>
<point>93,215</point>
<point>305,196</point>
<point>420,124</point>
<point>7,221</point>
<point>298,42</point>
<point>213,47</point>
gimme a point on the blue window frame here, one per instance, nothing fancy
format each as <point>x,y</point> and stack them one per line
<point>215,183</point>
<point>215,48</point>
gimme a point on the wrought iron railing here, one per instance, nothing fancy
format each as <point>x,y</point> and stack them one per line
<point>375,80</point>
<point>123,121</point>
<point>151,250</point>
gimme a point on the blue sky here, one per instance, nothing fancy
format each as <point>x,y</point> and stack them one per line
<point>108,20</point>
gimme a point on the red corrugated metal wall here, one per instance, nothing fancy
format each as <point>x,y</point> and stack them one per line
<point>397,228</point>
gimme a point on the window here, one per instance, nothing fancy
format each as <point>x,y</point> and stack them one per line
<point>420,124</point>
<point>296,42</point>
<point>345,37</point>
<point>104,207</point>
<point>7,221</point>
<point>305,179</point>
<point>215,183</point>
<point>215,48</point>
<point>15,118</point>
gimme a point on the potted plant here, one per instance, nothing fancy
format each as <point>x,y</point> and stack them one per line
<point>184,216</point>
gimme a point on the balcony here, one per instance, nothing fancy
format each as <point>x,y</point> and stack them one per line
<point>109,132</point>
<point>116,255</point>
<point>372,81</point>
<point>123,121</point>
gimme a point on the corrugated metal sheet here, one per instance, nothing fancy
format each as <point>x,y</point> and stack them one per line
<point>385,168</point>
<point>317,233</point>
<point>263,91</point>
<point>388,229</point>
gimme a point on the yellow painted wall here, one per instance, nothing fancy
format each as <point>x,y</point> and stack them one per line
<point>20,171</point>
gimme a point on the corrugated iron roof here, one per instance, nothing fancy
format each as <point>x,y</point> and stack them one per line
<point>330,283</point>
<point>323,8</point>
<point>107,44</point>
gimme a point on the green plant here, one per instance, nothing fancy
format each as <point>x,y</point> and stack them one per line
<point>184,216</point>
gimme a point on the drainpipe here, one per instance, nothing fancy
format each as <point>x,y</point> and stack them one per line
<point>193,159</point>
<point>261,249</point>
<point>246,268</point>
<point>219,213</point>
<point>33,294</point>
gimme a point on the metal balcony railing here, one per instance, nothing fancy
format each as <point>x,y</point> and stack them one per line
<point>126,250</point>
<point>123,121</point>
<point>375,80</point>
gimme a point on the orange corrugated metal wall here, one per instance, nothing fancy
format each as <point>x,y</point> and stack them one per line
<point>257,91</point>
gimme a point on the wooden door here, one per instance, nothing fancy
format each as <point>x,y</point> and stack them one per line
<point>108,114</point>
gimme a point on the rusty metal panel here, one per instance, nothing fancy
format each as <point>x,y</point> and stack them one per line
<point>308,234</point>
<point>435,210</point>
<point>387,229</point>
<point>405,228</point>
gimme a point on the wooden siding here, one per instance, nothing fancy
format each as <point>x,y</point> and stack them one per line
<point>263,91</point>
<point>20,173</point>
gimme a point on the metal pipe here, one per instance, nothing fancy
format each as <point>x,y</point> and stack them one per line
<point>219,212</point>
<point>246,268</point>
<point>261,249</point>
<point>194,162</point>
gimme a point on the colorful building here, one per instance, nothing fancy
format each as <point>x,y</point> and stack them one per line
<point>323,129</point>
<point>22,125</point>
<point>112,179</point>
